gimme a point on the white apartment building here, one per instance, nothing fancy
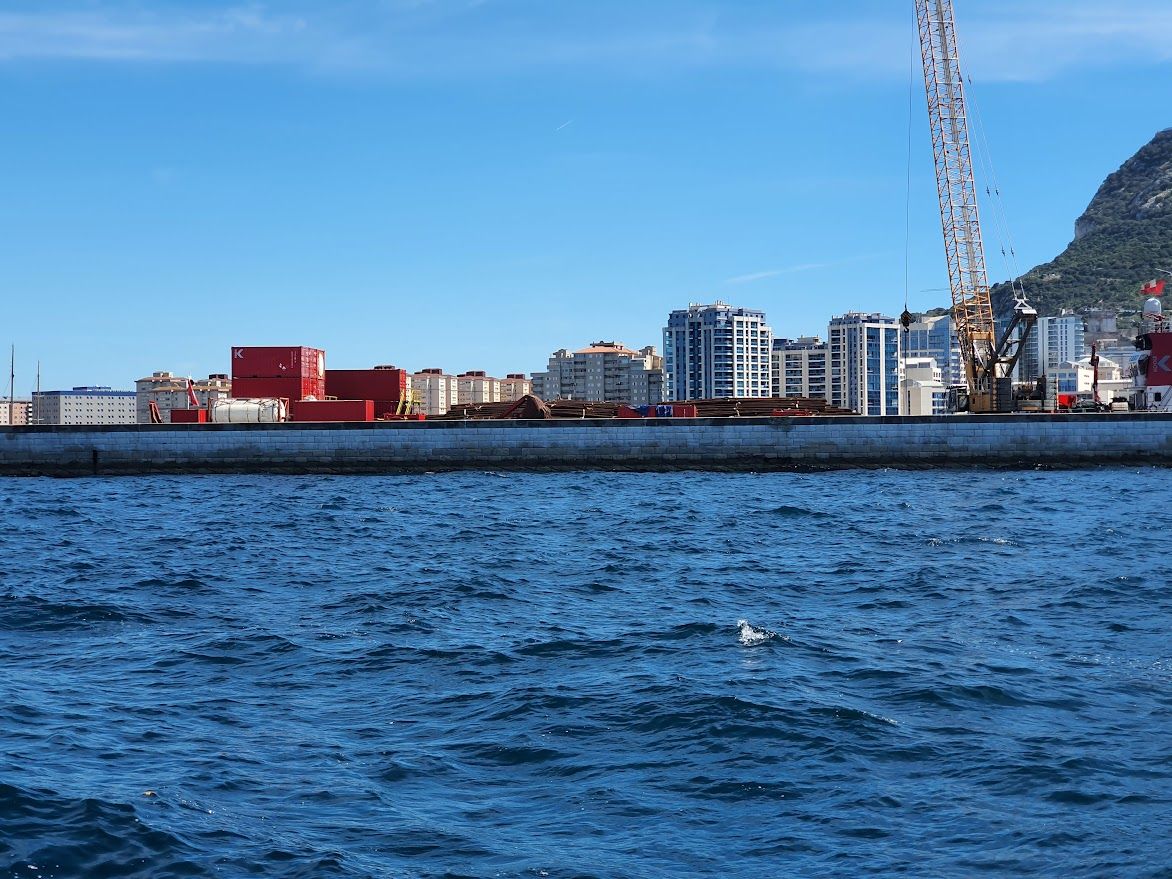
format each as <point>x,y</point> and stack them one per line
<point>514,386</point>
<point>169,392</point>
<point>477,387</point>
<point>603,372</point>
<point>799,368</point>
<point>14,412</point>
<point>437,391</point>
<point>715,351</point>
<point>84,405</point>
<point>924,391</point>
<point>865,363</point>
<point>1053,342</point>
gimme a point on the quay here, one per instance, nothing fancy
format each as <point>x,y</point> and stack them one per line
<point>727,444</point>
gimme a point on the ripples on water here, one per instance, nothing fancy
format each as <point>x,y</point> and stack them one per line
<point>862,673</point>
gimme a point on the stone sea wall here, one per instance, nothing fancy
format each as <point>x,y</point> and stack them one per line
<point>635,444</point>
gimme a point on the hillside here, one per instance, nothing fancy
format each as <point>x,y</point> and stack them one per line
<point>1120,241</point>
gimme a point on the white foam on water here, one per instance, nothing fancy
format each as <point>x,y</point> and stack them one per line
<point>751,635</point>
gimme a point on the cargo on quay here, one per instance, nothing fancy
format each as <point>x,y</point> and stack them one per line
<point>745,444</point>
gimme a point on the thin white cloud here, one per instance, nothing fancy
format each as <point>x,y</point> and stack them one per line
<point>773,273</point>
<point>1026,40</point>
<point>805,267</point>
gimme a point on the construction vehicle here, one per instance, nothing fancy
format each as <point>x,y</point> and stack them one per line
<point>989,361</point>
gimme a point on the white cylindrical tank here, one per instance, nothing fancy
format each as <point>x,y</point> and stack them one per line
<point>1153,308</point>
<point>245,411</point>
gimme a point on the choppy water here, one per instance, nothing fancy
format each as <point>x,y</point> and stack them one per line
<point>861,673</point>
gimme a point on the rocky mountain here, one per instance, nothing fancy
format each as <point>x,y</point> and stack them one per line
<point>1121,241</point>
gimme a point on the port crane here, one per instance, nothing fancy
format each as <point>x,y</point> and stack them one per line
<point>988,360</point>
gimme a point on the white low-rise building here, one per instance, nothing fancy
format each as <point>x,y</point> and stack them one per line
<point>84,405</point>
<point>922,387</point>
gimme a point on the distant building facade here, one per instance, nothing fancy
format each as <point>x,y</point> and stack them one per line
<point>713,351</point>
<point>436,390</point>
<point>865,356</point>
<point>1102,324</point>
<point>935,336</point>
<point>169,392</point>
<point>799,368</point>
<point>84,405</point>
<point>14,412</point>
<point>603,372</point>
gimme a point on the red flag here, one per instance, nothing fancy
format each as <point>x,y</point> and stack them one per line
<point>192,398</point>
<point>1154,288</point>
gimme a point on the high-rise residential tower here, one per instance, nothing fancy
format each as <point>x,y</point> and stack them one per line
<point>717,350</point>
<point>865,365</point>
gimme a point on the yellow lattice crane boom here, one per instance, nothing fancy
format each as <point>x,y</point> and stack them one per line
<point>988,361</point>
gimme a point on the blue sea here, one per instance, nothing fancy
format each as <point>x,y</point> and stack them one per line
<point>867,673</point>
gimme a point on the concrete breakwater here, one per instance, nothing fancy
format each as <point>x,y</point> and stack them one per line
<point>748,444</point>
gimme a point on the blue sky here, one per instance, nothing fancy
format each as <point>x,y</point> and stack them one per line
<point>472,184</point>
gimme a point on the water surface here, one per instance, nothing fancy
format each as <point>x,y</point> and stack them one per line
<point>955,673</point>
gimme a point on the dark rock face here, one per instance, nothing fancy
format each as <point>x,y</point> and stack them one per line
<point>1141,189</point>
<point>1122,239</point>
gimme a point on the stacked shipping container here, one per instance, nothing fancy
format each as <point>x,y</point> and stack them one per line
<point>384,385</point>
<point>294,373</point>
<point>298,374</point>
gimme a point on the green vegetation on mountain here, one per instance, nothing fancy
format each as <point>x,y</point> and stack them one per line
<point>1122,240</point>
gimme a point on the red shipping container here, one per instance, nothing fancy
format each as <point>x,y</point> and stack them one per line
<point>627,412</point>
<point>333,410</point>
<point>280,362</point>
<point>189,416</point>
<point>289,388</point>
<point>366,384</point>
<point>683,410</point>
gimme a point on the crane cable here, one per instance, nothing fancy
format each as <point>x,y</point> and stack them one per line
<point>1001,224</point>
<point>906,318</point>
